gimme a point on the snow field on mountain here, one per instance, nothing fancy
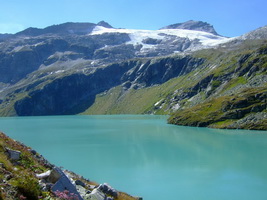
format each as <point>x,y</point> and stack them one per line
<point>138,36</point>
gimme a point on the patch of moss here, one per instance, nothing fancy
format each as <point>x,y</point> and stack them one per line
<point>235,82</point>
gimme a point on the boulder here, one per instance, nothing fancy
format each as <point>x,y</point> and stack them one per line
<point>55,175</point>
<point>96,194</point>
<point>107,189</point>
<point>44,175</point>
<point>64,183</point>
<point>79,182</point>
<point>12,154</point>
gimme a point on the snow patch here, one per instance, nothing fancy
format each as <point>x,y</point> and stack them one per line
<point>59,71</point>
<point>156,104</point>
<point>39,44</point>
<point>176,107</point>
<point>140,68</point>
<point>213,67</point>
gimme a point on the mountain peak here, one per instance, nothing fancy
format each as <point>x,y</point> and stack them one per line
<point>193,25</point>
<point>104,24</point>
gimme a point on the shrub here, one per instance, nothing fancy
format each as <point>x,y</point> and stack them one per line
<point>28,186</point>
<point>1,195</point>
<point>65,195</point>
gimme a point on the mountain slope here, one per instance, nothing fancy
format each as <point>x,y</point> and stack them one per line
<point>115,71</point>
<point>72,47</point>
<point>235,94</point>
<point>226,89</point>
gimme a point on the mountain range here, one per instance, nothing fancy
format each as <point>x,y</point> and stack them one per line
<point>186,70</point>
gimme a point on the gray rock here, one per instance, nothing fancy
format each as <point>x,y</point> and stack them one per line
<point>107,189</point>
<point>55,175</point>
<point>96,194</point>
<point>79,182</point>
<point>64,184</point>
<point>33,151</point>
<point>12,154</point>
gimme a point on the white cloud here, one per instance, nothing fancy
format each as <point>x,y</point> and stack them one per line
<point>11,28</point>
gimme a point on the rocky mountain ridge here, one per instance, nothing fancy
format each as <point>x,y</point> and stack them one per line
<point>111,71</point>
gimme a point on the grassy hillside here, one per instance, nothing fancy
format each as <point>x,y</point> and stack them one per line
<point>226,111</point>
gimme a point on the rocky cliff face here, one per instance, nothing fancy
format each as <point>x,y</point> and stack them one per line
<point>70,94</point>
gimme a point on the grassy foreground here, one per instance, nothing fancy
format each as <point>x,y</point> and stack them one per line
<point>18,178</point>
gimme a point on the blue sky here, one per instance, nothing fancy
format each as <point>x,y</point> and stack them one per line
<point>229,17</point>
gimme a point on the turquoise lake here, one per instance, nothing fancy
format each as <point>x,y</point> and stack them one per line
<point>145,156</point>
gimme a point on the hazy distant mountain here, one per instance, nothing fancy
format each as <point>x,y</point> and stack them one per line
<point>97,69</point>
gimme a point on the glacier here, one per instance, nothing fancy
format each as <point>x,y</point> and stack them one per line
<point>206,40</point>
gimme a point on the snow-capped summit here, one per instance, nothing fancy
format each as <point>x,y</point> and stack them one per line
<point>193,25</point>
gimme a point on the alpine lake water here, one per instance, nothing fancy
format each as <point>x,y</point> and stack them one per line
<point>144,156</point>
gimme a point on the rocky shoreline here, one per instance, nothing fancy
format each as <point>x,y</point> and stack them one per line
<point>25,174</point>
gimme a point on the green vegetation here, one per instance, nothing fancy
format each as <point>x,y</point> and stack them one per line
<point>19,174</point>
<point>27,185</point>
<point>134,101</point>
<point>235,82</point>
<point>222,112</point>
